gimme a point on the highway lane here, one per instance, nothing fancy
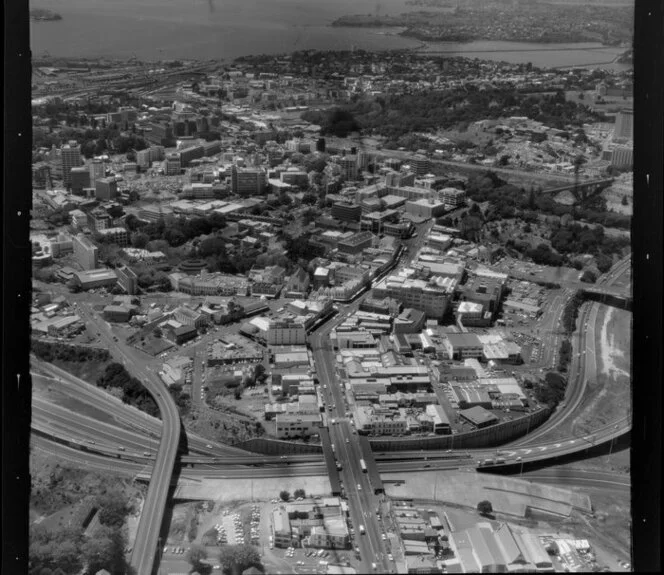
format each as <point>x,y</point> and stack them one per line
<point>580,478</point>
<point>147,535</point>
<point>123,413</point>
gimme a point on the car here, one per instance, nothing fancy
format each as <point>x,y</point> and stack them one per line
<point>209,446</point>
<point>166,549</point>
<point>359,487</point>
<point>390,557</point>
<point>383,537</point>
<point>374,566</point>
<point>347,440</point>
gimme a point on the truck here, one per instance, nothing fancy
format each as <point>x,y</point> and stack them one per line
<point>363,466</point>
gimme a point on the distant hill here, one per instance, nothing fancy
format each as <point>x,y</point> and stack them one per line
<point>41,14</point>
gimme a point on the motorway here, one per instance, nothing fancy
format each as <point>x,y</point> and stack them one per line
<point>147,535</point>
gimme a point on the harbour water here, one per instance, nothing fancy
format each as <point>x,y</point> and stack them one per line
<point>227,29</point>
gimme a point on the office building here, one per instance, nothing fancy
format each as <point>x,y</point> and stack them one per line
<point>117,235</point>
<point>79,180</point>
<point>432,296</point>
<point>484,290</point>
<point>452,197</point>
<point>161,134</point>
<point>297,425</point>
<point>96,278</point>
<point>286,332</point>
<point>106,188</point>
<point>420,165</point>
<point>85,252</point>
<point>248,181</point>
<point>127,279</point>
<point>190,153</point>
<point>348,165</point>
<point>622,157</point>
<point>462,346</point>
<point>41,176</point>
<point>356,243</point>
<point>79,218</point>
<point>426,208</point>
<point>97,170</point>
<point>99,219</point>
<point>624,128</point>
<point>346,212</point>
<point>173,165</point>
<point>71,158</point>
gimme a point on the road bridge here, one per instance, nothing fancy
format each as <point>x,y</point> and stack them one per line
<point>581,190</point>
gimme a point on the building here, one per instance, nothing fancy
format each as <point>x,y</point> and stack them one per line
<point>127,279</point>
<point>431,296</point>
<point>298,284</point>
<point>97,278</point>
<point>97,170</point>
<point>190,153</point>
<point>248,181</point>
<point>624,127</point>
<point>346,212</point>
<point>463,346</point>
<point>441,423</point>
<point>70,156</point>
<point>348,165</point>
<point>187,316</point>
<point>452,197</point>
<point>172,165</point>
<point>183,333</point>
<point>478,416</point>
<point>410,321</point>
<point>99,219</point>
<point>78,218</point>
<point>356,243</point>
<point>160,133</point>
<point>622,157</point>
<point>117,236</point>
<point>106,188</point>
<point>426,208</point>
<point>420,165</point>
<point>473,314</point>
<point>286,332</point>
<point>484,290</point>
<point>79,180</point>
<point>281,528</point>
<point>85,252</point>
<point>41,176</point>
<point>117,313</point>
<point>297,425</point>
<point>331,535</point>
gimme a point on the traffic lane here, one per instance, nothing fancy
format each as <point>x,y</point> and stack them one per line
<point>357,508</point>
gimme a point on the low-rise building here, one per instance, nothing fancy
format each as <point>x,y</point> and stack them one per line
<point>300,425</point>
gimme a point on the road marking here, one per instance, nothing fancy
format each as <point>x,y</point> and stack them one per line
<point>542,448</point>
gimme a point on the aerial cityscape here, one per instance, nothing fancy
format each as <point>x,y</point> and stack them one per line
<point>331,288</point>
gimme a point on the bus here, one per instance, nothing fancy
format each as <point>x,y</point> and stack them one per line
<point>363,466</point>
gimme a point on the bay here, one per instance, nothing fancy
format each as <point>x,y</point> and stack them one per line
<point>226,29</point>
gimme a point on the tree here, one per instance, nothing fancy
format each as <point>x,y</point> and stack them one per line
<point>485,507</point>
<point>285,495</point>
<point>139,240</point>
<point>299,493</point>
<point>104,551</point>
<point>234,559</point>
<point>196,555</point>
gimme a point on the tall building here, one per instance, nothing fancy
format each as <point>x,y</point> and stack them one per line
<point>420,165</point>
<point>127,279</point>
<point>348,166</point>
<point>173,165</point>
<point>71,158</point>
<point>41,176</point>
<point>97,171</point>
<point>624,125</point>
<point>248,181</point>
<point>622,157</point>
<point>106,188</point>
<point>80,179</point>
<point>85,252</point>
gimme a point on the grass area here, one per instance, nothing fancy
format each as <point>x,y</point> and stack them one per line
<point>609,397</point>
<point>86,370</point>
<point>220,426</point>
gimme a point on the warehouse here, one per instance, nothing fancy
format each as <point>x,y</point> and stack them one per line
<point>478,416</point>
